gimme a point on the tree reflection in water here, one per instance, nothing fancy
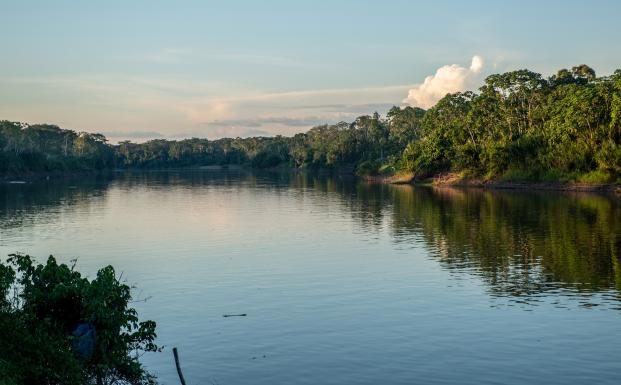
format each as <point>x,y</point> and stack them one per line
<point>522,245</point>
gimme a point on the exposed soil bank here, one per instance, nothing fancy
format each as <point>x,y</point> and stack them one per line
<point>392,179</point>
<point>455,180</point>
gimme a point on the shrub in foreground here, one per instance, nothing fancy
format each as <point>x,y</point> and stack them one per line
<point>57,327</point>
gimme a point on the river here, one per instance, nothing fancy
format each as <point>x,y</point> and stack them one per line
<point>341,281</point>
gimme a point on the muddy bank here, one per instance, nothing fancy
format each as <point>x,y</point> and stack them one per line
<point>454,180</point>
<point>392,179</point>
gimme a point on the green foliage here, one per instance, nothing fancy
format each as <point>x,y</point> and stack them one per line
<point>42,304</point>
<point>609,157</point>
<point>535,175</point>
<point>518,122</point>
<point>523,127</point>
<point>368,167</point>
<point>272,154</point>
<point>596,176</point>
<point>44,147</point>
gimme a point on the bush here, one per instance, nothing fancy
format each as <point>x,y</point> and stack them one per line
<point>266,160</point>
<point>520,174</point>
<point>368,167</point>
<point>41,308</point>
<point>596,176</point>
<point>387,170</point>
<point>609,156</point>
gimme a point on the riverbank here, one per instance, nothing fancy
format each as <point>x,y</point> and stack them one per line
<point>456,180</point>
<point>442,180</point>
<point>42,176</point>
<point>406,178</point>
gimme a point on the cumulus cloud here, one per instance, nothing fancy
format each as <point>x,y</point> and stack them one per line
<point>447,79</point>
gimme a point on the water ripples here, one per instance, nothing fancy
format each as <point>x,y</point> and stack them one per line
<point>344,282</point>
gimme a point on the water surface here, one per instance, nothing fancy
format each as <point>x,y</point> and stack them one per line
<point>344,282</point>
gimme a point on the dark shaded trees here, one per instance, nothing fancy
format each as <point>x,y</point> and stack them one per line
<point>44,147</point>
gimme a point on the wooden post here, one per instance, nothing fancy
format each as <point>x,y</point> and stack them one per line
<point>178,366</point>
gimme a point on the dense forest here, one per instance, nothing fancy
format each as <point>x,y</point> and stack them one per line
<point>518,126</point>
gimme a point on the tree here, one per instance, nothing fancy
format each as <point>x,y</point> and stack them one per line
<point>517,122</point>
<point>52,303</point>
<point>404,126</point>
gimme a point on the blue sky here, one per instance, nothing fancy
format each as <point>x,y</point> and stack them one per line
<point>143,69</point>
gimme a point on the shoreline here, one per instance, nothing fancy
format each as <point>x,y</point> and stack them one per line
<point>443,180</point>
<point>47,176</point>
<point>452,180</point>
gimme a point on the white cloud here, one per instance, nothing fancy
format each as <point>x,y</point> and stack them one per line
<point>447,79</point>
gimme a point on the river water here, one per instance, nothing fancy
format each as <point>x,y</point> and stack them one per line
<point>343,282</point>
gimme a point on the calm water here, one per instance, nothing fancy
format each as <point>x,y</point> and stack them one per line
<point>344,282</point>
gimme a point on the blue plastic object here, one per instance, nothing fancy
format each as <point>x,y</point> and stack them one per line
<point>84,344</point>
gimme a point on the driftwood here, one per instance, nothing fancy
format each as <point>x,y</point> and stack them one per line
<point>178,366</point>
<point>234,315</point>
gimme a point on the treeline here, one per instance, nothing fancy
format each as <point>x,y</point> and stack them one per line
<point>44,147</point>
<point>519,125</point>
<point>522,126</point>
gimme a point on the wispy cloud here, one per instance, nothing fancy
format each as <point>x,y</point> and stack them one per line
<point>143,107</point>
<point>164,56</point>
<point>133,134</point>
<point>225,131</point>
<point>258,122</point>
<point>194,55</point>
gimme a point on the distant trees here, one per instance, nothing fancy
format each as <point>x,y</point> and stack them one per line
<point>44,147</point>
<point>519,125</point>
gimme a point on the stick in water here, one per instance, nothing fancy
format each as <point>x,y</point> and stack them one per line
<point>178,366</point>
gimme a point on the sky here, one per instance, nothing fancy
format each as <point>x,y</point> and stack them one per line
<point>173,69</point>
